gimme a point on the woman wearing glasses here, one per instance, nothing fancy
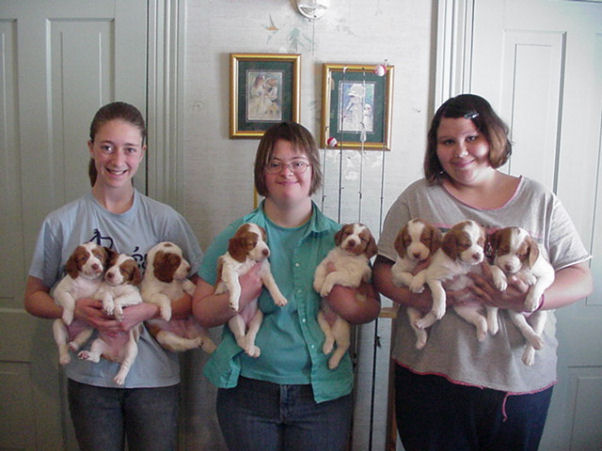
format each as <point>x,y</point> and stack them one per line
<point>287,398</point>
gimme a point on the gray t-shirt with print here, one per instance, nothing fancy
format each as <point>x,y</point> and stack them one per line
<point>452,349</point>
<point>134,232</point>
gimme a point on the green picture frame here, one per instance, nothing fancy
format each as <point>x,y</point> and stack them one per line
<point>264,89</point>
<point>357,102</point>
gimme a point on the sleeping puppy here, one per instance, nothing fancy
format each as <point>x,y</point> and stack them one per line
<point>347,264</point>
<point>84,273</point>
<point>462,251</point>
<point>415,243</point>
<point>165,280</point>
<point>118,290</point>
<point>245,249</point>
<point>517,254</point>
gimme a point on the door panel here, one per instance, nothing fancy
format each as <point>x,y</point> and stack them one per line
<point>539,62</point>
<point>60,61</point>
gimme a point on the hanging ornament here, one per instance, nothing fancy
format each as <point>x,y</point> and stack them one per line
<point>332,142</point>
<point>380,70</point>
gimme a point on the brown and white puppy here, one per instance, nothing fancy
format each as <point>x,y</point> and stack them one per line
<point>462,251</point>
<point>415,243</point>
<point>517,254</point>
<point>118,290</point>
<point>85,269</point>
<point>246,248</point>
<point>165,279</point>
<point>347,264</point>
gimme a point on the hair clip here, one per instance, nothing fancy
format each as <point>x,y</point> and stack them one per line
<point>471,115</point>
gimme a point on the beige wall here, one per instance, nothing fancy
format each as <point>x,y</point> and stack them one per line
<point>218,172</point>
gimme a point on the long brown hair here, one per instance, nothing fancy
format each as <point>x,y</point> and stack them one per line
<point>115,110</point>
<point>479,111</point>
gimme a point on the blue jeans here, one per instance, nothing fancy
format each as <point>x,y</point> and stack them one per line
<point>257,415</point>
<point>103,417</point>
<point>434,414</point>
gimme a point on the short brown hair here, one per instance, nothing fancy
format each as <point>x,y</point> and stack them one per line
<point>479,111</point>
<point>302,141</point>
<point>115,110</point>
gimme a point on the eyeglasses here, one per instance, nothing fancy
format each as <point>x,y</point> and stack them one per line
<point>296,166</point>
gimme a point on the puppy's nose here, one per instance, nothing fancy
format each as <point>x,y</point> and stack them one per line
<point>110,275</point>
<point>266,253</point>
<point>416,255</point>
<point>508,267</point>
<point>95,266</point>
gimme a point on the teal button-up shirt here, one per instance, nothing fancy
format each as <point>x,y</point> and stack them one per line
<point>290,337</point>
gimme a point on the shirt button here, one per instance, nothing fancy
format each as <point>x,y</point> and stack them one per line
<point>297,264</point>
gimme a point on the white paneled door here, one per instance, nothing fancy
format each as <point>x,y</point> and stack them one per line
<point>59,61</point>
<point>540,64</point>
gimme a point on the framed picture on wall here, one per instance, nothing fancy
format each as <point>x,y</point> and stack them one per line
<point>356,105</point>
<point>264,89</point>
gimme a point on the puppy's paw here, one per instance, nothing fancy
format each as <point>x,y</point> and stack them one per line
<point>529,356</point>
<point>119,379</point>
<point>64,359</point>
<point>86,355</point>
<point>207,345</point>
<point>253,351</point>
<point>531,302</point>
<point>416,286</point>
<point>280,301</point>
<point>73,345</point>
<point>67,316</point>
<point>326,289</point>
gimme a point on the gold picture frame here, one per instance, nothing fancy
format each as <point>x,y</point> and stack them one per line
<point>264,89</point>
<point>357,102</point>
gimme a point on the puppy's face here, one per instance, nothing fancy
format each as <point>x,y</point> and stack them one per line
<point>465,241</point>
<point>417,240</point>
<point>88,260</point>
<point>356,239</point>
<point>513,249</point>
<point>123,269</point>
<point>249,241</point>
<point>168,263</point>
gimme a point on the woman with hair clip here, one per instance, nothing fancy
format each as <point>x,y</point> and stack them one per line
<point>287,398</point>
<point>114,214</point>
<point>458,393</point>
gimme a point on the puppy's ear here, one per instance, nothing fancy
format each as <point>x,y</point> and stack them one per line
<point>162,267</point>
<point>533,251</point>
<point>110,255</point>
<point>371,249</point>
<point>436,238</point>
<point>71,266</point>
<point>237,247</point>
<point>338,237</point>
<point>135,274</point>
<point>449,244</point>
<point>399,244</point>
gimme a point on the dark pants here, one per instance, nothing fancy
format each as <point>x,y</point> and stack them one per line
<point>434,414</point>
<point>257,415</point>
<point>103,417</point>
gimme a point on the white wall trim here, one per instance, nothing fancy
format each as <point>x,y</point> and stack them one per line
<point>164,100</point>
<point>455,22</point>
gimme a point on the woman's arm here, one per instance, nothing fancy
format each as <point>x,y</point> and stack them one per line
<point>355,305</point>
<point>38,301</point>
<point>570,284</point>
<point>383,281</point>
<point>213,310</point>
